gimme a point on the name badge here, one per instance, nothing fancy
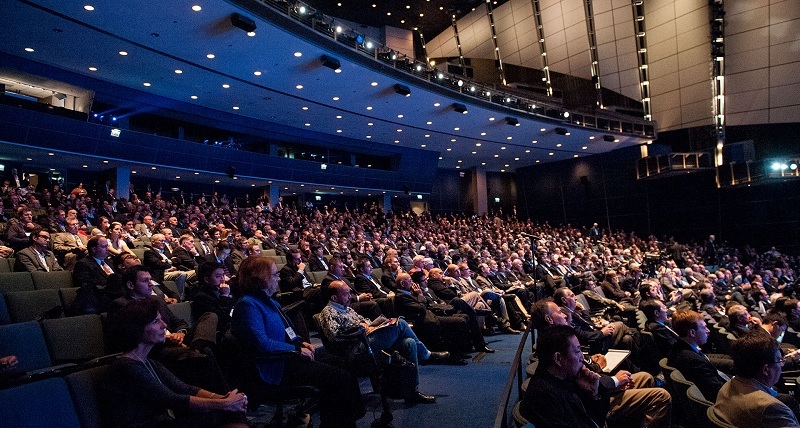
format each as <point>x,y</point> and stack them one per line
<point>290,332</point>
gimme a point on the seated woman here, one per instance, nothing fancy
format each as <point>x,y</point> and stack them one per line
<point>138,391</point>
<point>117,245</point>
<point>262,328</point>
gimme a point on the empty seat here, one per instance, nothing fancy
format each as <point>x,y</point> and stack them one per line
<point>15,281</point>
<point>41,404</point>
<point>26,341</point>
<point>4,266</point>
<point>377,273</point>
<point>318,276</point>
<point>30,305</point>
<point>139,252</point>
<point>47,280</point>
<point>84,387</point>
<point>74,339</point>
<point>183,310</point>
<point>67,296</point>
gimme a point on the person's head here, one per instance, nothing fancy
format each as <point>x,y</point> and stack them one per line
<point>559,351</point>
<point>403,281</point>
<point>148,221</point>
<point>40,238</point>
<point>211,273</point>
<point>453,271</point>
<point>364,266</point>
<point>757,356</point>
<point>295,258</point>
<point>336,266</point>
<point>115,229</point>
<point>546,313</point>
<point>738,316</point>
<point>419,277</point>
<point>338,292</point>
<point>97,247</point>
<point>187,243</point>
<point>775,324</point>
<point>157,241</point>
<point>392,263</point>
<point>654,310</point>
<point>708,297</point>
<point>139,322</point>
<point>222,250</point>
<point>565,297</point>
<point>167,232</point>
<point>258,273</point>
<point>72,225</point>
<point>435,273</point>
<point>138,282</point>
<point>690,326</point>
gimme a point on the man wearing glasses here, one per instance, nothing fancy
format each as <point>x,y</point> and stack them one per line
<point>37,257</point>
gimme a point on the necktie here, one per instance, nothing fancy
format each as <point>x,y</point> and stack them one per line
<point>43,260</point>
<point>78,241</point>
<point>206,250</point>
<point>106,268</point>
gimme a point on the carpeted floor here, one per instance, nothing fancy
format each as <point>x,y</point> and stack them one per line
<point>466,396</point>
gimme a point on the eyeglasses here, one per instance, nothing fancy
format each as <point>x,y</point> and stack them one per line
<point>781,362</point>
<point>44,236</point>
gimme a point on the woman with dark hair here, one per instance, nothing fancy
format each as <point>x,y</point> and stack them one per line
<point>138,391</point>
<point>262,328</point>
<point>116,245</point>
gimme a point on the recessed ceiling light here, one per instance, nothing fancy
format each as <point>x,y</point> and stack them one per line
<point>369,107</point>
<point>399,116</point>
<point>216,181</point>
<point>146,83</point>
<point>339,131</point>
<point>369,123</point>
<point>423,145</point>
<point>194,97</point>
<point>92,68</point>
<point>225,86</point>
<point>449,149</point>
<point>51,154</point>
<point>436,104</point>
<point>537,161</point>
<point>251,33</point>
<point>298,54</point>
<point>105,161</point>
<point>483,133</point>
<point>236,107</point>
<point>427,135</point>
<point>491,119</point>
<point>503,148</point>
<point>299,86</point>
<point>178,176</point>
<point>527,151</point>
<point>335,98</point>
<point>456,129</point>
<point>516,159</point>
<point>257,73</point>
<point>453,140</point>
<point>575,155</point>
<point>307,124</point>
<point>543,129</point>
<point>369,136</point>
<point>374,84</point>
<point>429,123</point>
<point>477,144</point>
<point>29,50</point>
<point>507,165</point>
<point>85,166</point>
<point>509,138</point>
<point>338,116</point>
<point>88,7</point>
<point>178,71</point>
<point>551,153</point>
<point>584,148</point>
<point>399,130</point>
<point>211,56</point>
<point>28,159</point>
<point>474,153</point>
<point>152,167</point>
<point>591,137</point>
<point>497,156</point>
<point>558,145</point>
<point>252,185</point>
<point>123,53</point>
<point>483,163</point>
<point>396,141</point>
<point>196,173</point>
<point>197,8</point>
<point>534,141</point>
<point>133,172</point>
<point>304,107</point>
<point>460,161</point>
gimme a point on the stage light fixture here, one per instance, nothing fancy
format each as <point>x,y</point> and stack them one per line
<point>402,90</point>
<point>513,121</point>
<point>609,138</point>
<point>461,108</point>
<point>243,22</point>
<point>561,131</point>
<point>331,63</point>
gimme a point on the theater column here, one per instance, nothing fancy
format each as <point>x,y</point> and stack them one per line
<point>274,194</point>
<point>122,178</point>
<point>478,189</point>
<point>387,202</point>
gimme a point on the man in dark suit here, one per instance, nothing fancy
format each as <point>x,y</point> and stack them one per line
<point>687,357</point>
<point>36,257</point>
<point>547,273</point>
<point>158,260</point>
<point>185,257</point>
<point>365,283</point>
<point>91,274</point>
<point>317,262</point>
<point>220,253</point>
<point>362,303</point>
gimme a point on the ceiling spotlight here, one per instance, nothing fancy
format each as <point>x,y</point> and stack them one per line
<point>331,62</point>
<point>461,108</point>
<point>243,22</point>
<point>609,138</point>
<point>513,121</point>
<point>561,131</point>
<point>402,90</point>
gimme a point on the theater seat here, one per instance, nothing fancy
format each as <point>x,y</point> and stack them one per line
<point>74,339</point>
<point>48,280</point>
<point>26,341</point>
<point>67,296</point>
<point>15,281</point>
<point>4,266</point>
<point>84,386</point>
<point>41,404</point>
<point>30,305</point>
<point>183,310</point>
<point>4,318</point>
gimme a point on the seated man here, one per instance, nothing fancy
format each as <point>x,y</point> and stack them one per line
<point>337,317</point>
<point>599,339</point>
<point>69,246</point>
<point>687,357</point>
<point>362,303</point>
<point>748,399</point>
<point>158,260</point>
<point>740,322</point>
<point>36,257</point>
<point>623,397</point>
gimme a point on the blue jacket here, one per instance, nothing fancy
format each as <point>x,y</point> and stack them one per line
<point>258,326</point>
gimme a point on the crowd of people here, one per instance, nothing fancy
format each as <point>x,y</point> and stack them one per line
<point>454,278</point>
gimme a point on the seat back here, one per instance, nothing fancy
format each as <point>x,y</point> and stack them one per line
<point>47,280</point>
<point>318,276</point>
<point>15,281</point>
<point>519,420</point>
<point>84,387</point>
<point>26,341</point>
<point>74,339</point>
<point>30,305</point>
<point>4,318</point>
<point>4,266</point>
<point>699,406</point>
<point>67,296</point>
<point>41,404</point>
<point>377,273</point>
<point>183,310</point>
<point>139,252</point>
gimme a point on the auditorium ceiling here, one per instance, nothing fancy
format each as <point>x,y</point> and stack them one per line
<point>195,59</point>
